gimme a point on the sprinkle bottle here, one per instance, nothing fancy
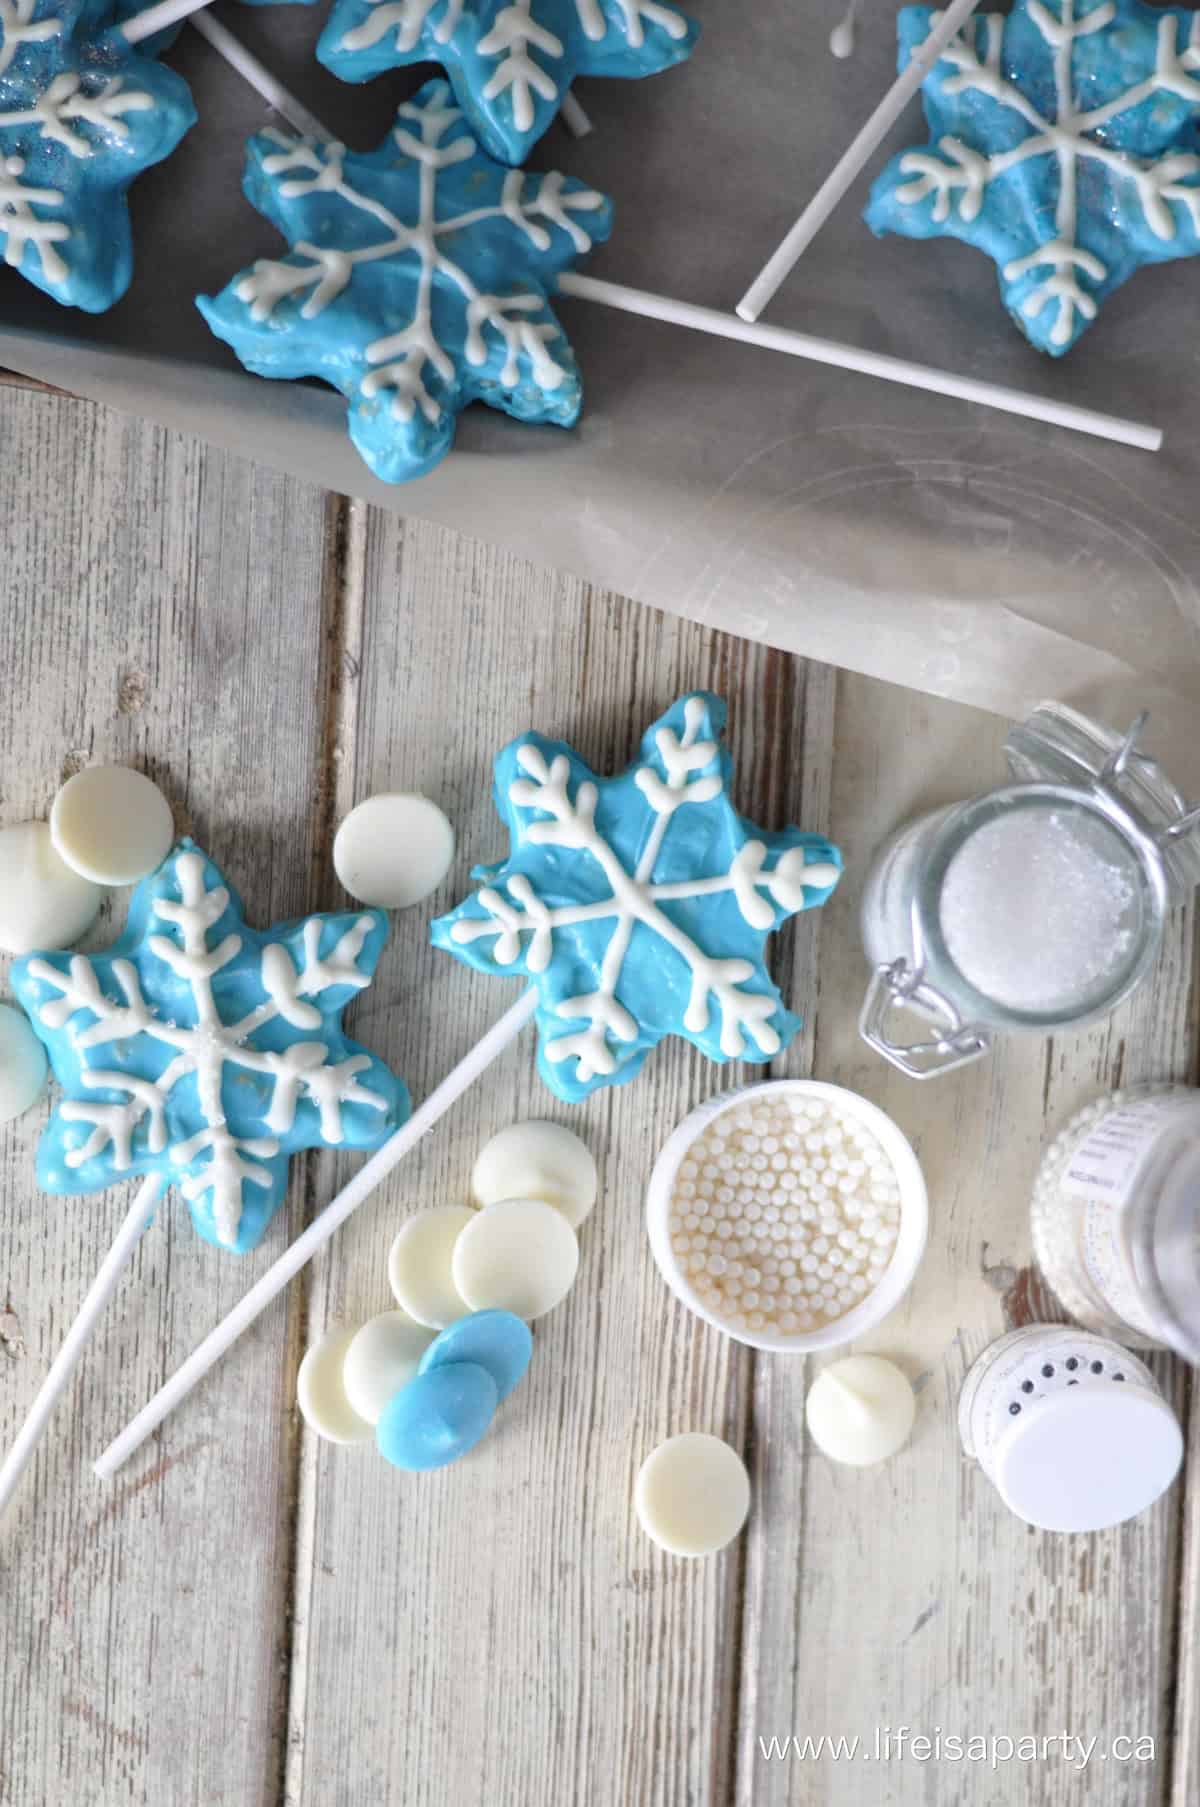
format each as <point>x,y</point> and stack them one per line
<point>1116,1218</point>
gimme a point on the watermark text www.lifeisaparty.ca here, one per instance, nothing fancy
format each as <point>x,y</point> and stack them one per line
<point>901,1744</point>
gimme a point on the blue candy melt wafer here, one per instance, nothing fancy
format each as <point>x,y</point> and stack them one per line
<point>437,1417</point>
<point>495,1340</point>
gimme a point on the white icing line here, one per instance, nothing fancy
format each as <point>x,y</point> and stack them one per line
<point>58,112</point>
<point>961,175</point>
<point>17,27</point>
<point>518,44</point>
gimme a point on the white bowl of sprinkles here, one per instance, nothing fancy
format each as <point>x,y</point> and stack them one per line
<point>791,1216</point>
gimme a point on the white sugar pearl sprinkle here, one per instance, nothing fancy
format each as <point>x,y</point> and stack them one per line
<point>784,1215</point>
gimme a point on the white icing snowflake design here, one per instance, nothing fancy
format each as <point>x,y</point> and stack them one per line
<point>417,283</point>
<point>1065,147</point>
<point>639,905</point>
<point>510,61</point>
<point>204,1051</point>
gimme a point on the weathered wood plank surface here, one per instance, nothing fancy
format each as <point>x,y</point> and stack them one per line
<point>608,1668</point>
<point>254,1617</point>
<point>162,605</point>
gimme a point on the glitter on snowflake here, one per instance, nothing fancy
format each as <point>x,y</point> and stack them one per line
<point>638,905</point>
<point>417,283</point>
<point>1065,140</point>
<point>204,1051</point>
<point>510,61</point>
<point>78,121</point>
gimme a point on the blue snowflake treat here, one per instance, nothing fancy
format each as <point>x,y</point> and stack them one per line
<point>639,905</point>
<point>1064,146</point>
<point>79,119</point>
<point>201,1050</point>
<point>510,62</point>
<point>417,282</point>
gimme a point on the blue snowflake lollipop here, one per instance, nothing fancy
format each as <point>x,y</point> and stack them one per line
<point>639,905</point>
<point>1064,145</point>
<point>79,119</point>
<point>510,62</point>
<point>417,282</point>
<point>201,1050</point>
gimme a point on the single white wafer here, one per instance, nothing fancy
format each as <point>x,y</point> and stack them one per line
<point>43,904</point>
<point>321,1391</point>
<point>419,1265</point>
<point>393,850</point>
<point>537,1160</point>
<point>692,1494</point>
<point>519,1255</point>
<point>382,1357</point>
<point>111,825</point>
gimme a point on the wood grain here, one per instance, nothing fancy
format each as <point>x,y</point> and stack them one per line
<point>163,607</point>
<point>253,1617</point>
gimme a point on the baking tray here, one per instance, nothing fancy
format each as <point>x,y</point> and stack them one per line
<point>928,541</point>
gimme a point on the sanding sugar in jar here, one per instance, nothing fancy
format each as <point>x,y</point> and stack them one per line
<point>784,1214</point>
<point>1040,908</point>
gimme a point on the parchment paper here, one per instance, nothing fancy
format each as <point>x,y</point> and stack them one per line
<point>916,539</point>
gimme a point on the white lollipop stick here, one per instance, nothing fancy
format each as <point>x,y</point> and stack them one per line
<point>223,41</point>
<point>803,345</point>
<point>157,18</point>
<point>359,1189</point>
<point>870,363</point>
<point>574,117</point>
<point>852,161</point>
<point>258,76</point>
<point>65,1362</point>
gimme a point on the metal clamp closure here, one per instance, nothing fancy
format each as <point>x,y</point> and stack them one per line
<point>895,985</point>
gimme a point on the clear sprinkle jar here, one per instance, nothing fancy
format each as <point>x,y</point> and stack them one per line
<point>1116,1217</point>
<point>1036,907</point>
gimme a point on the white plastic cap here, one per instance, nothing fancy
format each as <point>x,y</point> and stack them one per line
<point>1088,1457</point>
